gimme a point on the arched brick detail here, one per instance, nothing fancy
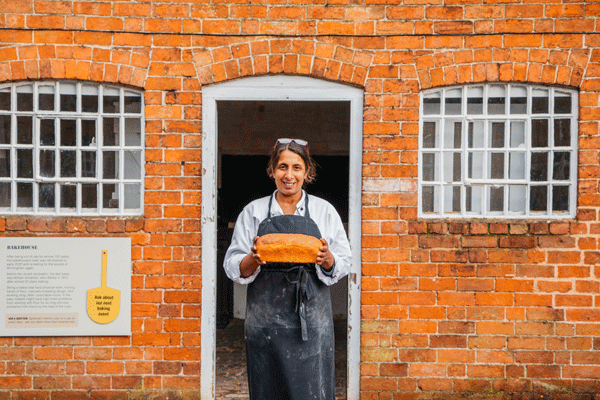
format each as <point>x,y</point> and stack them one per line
<point>44,61</point>
<point>553,67</point>
<point>288,56</point>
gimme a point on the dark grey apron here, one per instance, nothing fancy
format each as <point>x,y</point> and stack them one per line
<point>289,325</point>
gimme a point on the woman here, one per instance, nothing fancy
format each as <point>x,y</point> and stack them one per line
<point>289,325</point>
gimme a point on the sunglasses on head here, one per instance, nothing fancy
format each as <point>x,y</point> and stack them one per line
<point>299,142</point>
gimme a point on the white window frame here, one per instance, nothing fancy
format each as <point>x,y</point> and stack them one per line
<point>441,119</point>
<point>127,153</point>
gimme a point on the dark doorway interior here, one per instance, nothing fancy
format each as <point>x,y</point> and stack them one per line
<point>247,131</point>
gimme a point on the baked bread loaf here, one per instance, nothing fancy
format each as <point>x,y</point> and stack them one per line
<point>288,248</point>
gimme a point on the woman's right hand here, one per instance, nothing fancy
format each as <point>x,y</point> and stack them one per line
<point>254,253</point>
<point>251,262</point>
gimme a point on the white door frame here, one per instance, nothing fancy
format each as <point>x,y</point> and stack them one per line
<point>276,88</point>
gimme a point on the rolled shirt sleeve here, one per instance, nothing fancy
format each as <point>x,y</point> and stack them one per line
<point>321,211</point>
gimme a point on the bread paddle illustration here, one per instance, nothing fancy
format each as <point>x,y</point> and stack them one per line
<point>103,303</point>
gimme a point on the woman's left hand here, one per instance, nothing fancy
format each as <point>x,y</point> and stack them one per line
<point>324,257</point>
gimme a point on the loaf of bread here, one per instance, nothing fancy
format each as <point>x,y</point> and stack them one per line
<point>288,248</point>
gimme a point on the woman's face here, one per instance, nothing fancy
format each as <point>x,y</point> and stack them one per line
<point>289,173</point>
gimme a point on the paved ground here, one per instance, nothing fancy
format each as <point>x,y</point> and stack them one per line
<point>232,380</point>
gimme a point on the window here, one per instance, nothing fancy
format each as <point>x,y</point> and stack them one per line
<point>498,150</point>
<point>70,148</point>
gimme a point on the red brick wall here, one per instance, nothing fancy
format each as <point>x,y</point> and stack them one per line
<point>501,308</point>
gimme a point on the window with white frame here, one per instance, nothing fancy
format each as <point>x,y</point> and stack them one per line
<point>71,148</point>
<point>498,150</point>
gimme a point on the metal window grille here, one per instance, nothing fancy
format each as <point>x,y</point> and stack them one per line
<point>498,151</point>
<point>71,148</point>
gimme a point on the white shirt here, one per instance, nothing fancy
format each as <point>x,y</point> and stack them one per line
<point>321,211</point>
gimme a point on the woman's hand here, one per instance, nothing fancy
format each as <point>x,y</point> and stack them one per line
<point>324,257</point>
<point>251,262</point>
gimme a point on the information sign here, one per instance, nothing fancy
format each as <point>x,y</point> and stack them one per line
<point>65,286</point>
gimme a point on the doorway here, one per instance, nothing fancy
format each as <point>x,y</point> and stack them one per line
<point>242,119</point>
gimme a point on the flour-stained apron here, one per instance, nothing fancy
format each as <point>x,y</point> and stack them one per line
<point>289,324</point>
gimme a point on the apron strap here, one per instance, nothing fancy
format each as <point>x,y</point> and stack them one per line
<point>269,209</point>
<point>303,293</point>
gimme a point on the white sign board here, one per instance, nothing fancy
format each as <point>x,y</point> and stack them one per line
<point>55,286</point>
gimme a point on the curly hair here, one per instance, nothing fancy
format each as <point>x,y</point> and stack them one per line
<point>302,151</point>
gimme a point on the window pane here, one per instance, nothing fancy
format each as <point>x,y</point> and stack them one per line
<point>539,167</point>
<point>46,195</point>
<point>474,199</point>
<point>89,196</point>
<point>5,194</point>
<point>430,169</point>
<point>562,132</point>
<point>89,99</point>
<point>110,101</point>
<point>516,166</point>
<point>496,100</point>
<point>453,102</point>
<point>538,198</point>
<point>132,196</point>
<point>133,132</point>
<point>133,103</point>
<point>47,163</point>
<point>24,194</point>
<point>24,163</point>
<point>110,164</point>
<point>25,98</point>
<point>429,135</point>
<point>509,139</point>
<point>88,164</point>
<point>497,135</point>
<point>46,97</point>
<point>68,97</point>
<point>452,167</point>
<point>5,129</point>
<point>517,134</point>
<point>111,132</point>
<point>5,99</point>
<point>496,169</point>
<point>429,199</point>
<point>68,196</point>
<point>475,165</point>
<point>517,196</point>
<point>476,134</point>
<point>539,133</point>
<point>88,132</point>
<point>110,196</point>
<point>431,103</point>
<point>4,163</point>
<point>518,100</point>
<point>562,103</point>
<point>67,163</point>
<point>451,199</point>
<point>475,100</point>
<point>68,132</point>
<point>47,132</point>
<point>560,198</point>
<point>24,130</point>
<point>562,166</point>
<point>452,135</point>
<point>496,198</point>
<point>539,101</point>
<point>133,162</point>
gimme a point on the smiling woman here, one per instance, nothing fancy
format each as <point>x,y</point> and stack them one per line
<point>289,322</point>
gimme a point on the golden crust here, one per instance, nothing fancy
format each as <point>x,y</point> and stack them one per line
<point>288,247</point>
